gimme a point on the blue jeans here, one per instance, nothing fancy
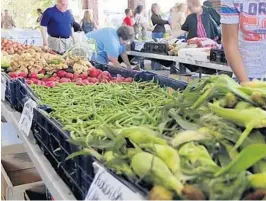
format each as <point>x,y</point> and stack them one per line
<point>156,35</point>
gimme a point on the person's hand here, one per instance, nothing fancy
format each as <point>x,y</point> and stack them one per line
<point>45,44</point>
<point>253,84</point>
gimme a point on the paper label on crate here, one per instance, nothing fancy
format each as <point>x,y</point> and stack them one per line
<point>26,118</point>
<point>107,187</point>
<point>3,87</point>
<point>139,46</point>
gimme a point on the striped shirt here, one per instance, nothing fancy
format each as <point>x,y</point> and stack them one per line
<point>200,28</point>
<point>250,15</point>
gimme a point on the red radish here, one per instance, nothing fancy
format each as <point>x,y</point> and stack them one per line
<point>83,76</point>
<point>93,72</point>
<point>22,75</point>
<point>76,76</point>
<point>64,80</point>
<point>50,84</point>
<point>61,73</point>
<point>129,79</point>
<point>33,75</point>
<point>34,80</point>
<point>85,82</point>
<point>79,82</point>
<point>42,71</point>
<point>51,79</point>
<point>93,80</point>
<point>29,82</point>
<point>13,75</point>
<point>69,75</point>
<point>120,79</point>
<point>107,74</point>
<point>39,82</point>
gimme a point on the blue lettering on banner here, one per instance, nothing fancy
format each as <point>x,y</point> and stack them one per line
<point>252,10</point>
<point>262,8</point>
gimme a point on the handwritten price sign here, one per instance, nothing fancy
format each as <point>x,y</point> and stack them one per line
<point>107,187</point>
<point>25,121</point>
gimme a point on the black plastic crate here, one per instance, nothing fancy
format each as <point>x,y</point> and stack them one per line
<point>156,48</point>
<point>23,92</point>
<point>218,56</point>
<point>78,172</point>
<point>10,94</point>
<point>161,80</point>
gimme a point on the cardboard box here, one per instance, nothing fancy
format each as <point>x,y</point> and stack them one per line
<point>18,173</point>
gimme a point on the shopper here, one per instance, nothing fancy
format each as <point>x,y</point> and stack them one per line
<point>177,17</point>
<point>7,21</point>
<point>87,23</point>
<point>57,21</point>
<point>39,13</point>
<point>158,22</point>
<point>141,24</point>
<point>110,44</point>
<point>159,30</point>
<point>244,37</point>
<point>203,22</point>
<point>128,20</point>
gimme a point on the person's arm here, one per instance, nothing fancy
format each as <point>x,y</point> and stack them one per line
<point>230,27</point>
<point>157,20</point>
<point>230,43</point>
<point>125,59</point>
<point>44,36</point>
<point>114,61</point>
<point>44,23</point>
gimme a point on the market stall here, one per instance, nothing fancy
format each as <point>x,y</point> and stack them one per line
<point>88,128</point>
<point>182,55</point>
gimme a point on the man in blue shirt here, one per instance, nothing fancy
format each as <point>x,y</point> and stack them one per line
<point>57,21</point>
<point>111,44</point>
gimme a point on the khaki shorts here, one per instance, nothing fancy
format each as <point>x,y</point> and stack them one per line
<point>59,45</point>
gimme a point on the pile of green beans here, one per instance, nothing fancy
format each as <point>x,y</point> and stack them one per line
<point>82,109</point>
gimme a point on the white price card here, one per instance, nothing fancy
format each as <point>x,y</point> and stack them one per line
<point>139,46</point>
<point>26,118</point>
<point>3,87</point>
<point>107,187</point>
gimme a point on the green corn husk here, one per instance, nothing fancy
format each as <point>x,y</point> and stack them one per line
<point>169,155</point>
<point>154,171</point>
<point>245,159</point>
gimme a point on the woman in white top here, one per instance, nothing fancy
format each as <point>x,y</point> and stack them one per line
<point>178,17</point>
<point>141,24</point>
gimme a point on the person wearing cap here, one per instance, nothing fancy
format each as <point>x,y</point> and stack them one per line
<point>58,21</point>
<point>111,43</point>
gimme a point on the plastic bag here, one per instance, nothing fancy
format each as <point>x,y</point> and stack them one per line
<point>201,42</point>
<point>83,46</point>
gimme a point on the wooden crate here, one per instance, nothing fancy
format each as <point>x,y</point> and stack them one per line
<point>17,173</point>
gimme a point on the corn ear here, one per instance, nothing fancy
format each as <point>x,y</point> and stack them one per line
<point>169,155</point>
<point>258,181</point>
<point>153,170</point>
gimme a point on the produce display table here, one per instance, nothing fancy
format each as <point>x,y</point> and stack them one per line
<point>25,36</point>
<point>53,182</point>
<point>200,64</point>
